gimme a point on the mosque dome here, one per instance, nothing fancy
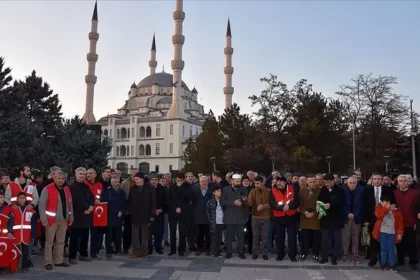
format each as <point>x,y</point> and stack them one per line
<point>162,79</point>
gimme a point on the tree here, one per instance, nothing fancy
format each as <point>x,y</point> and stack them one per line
<point>207,145</point>
<point>375,110</point>
<point>235,127</point>
<point>244,158</point>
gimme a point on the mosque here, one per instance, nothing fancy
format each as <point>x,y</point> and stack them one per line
<point>150,131</point>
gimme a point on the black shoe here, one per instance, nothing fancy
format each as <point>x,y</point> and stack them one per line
<point>215,257</point>
<point>228,256</point>
<point>49,267</point>
<point>372,263</point>
<point>242,256</point>
<point>254,257</point>
<point>72,262</point>
<point>150,252</point>
<point>24,270</point>
<point>293,260</point>
<point>302,257</point>
<point>279,259</point>
<point>193,249</point>
<point>394,269</point>
<point>160,252</point>
<point>85,259</point>
<point>33,253</point>
<point>197,253</point>
<point>181,254</point>
<point>413,267</point>
<point>171,253</point>
<point>63,264</point>
<point>315,258</point>
<point>265,257</point>
<point>322,261</point>
<point>333,262</point>
<point>167,244</point>
<point>109,256</point>
<point>382,267</point>
<point>30,264</point>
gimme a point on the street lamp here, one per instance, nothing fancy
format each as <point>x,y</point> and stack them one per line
<point>386,164</point>
<point>213,161</point>
<point>273,161</point>
<point>413,140</point>
<point>328,158</point>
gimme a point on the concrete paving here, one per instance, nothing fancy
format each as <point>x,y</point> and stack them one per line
<point>205,268</point>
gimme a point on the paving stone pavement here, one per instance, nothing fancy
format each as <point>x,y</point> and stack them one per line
<point>205,268</point>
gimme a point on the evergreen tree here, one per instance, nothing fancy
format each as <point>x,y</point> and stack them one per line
<point>235,127</point>
<point>209,144</point>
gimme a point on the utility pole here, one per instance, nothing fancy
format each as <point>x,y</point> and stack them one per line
<point>354,146</point>
<point>413,141</point>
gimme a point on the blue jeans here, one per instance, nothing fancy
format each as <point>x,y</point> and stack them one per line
<point>387,242</point>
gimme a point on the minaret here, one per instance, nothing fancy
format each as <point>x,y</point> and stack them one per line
<point>92,58</point>
<point>153,62</point>
<point>228,89</point>
<point>177,64</point>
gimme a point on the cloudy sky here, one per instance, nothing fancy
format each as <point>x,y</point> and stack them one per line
<point>326,42</point>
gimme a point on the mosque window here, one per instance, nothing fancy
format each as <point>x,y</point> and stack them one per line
<point>171,129</point>
<point>171,148</point>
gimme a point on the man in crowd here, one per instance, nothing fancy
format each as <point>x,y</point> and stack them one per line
<point>353,218</point>
<point>55,209</point>
<point>126,186</point>
<point>22,184</point>
<point>201,197</point>
<point>235,216</point>
<point>165,181</point>
<point>407,202</point>
<point>142,208</point>
<point>83,202</point>
<point>191,229</point>
<point>157,226</point>
<point>319,180</point>
<point>333,198</point>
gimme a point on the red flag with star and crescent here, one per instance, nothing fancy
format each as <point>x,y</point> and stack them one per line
<point>100,214</point>
<point>9,254</point>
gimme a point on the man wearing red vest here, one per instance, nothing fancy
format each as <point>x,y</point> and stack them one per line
<point>22,228</point>
<point>22,184</point>
<point>284,201</point>
<point>4,215</point>
<point>56,214</point>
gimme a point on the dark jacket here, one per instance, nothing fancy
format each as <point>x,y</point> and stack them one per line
<point>211,213</point>
<point>160,195</point>
<point>335,197</point>
<point>180,197</point>
<point>232,214</point>
<point>200,204</point>
<point>82,199</point>
<point>116,203</point>
<point>369,203</point>
<point>142,204</point>
<point>357,206</point>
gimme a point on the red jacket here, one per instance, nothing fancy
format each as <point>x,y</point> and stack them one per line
<point>22,225</point>
<point>4,219</point>
<point>16,189</point>
<point>96,189</point>
<point>380,213</point>
<point>52,203</point>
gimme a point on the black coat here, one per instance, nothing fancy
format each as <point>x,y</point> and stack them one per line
<point>82,198</point>
<point>200,203</point>
<point>117,202</point>
<point>369,202</point>
<point>180,197</point>
<point>160,195</point>
<point>142,204</point>
<point>336,199</point>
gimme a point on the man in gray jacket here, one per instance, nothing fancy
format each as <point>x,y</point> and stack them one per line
<point>235,216</point>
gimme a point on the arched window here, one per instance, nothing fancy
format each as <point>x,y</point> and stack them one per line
<point>148,150</point>
<point>128,150</point>
<point>118,133</point>
<point>142,131</point>
<point>118,151</point>
<point>123,168</point>
<point>141,150</point>
<point>144,167</point>
<point>106,132</point>
<point>123,133</point>
<point>123,151</point>
<point>148,131</point>
<point>132,150</point>
<point>128,133</point>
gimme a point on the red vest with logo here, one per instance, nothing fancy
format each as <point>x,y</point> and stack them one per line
<point>95,188</point>
<point>22,225</point>
<point>284,199</point>
<point>52,203</point>
<point>4,220</point>
<point>16,189</point>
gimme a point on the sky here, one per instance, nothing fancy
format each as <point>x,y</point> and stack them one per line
<point>326,42</point>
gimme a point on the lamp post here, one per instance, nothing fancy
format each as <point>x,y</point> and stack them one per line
<point>386,164</point>
<point>354,146</point>
<point>213,161</point>
<point>328,158</point>
<point>413,141</point>
<point>273,161</point>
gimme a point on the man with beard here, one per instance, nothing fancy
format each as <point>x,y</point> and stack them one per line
<point>126,186</point>
<point>22,184</point>
<point>407,202</point>
<point>180,202</point>
<point>284,202</point>
<point>333,198</point>
<point>201,197</point>
<point>235,216</point>
<point>157,226</point>
<point>191,230</point>
<point>142,207</point>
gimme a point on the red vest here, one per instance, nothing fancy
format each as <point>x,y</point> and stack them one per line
<point>22,225</point>
<point>52,203</point>
<point>95,188</point>
<point>16,189</point>
<point>4,219</point>
<point>284,199</point>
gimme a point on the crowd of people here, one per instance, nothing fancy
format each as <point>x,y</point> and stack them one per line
<point>321,214</point>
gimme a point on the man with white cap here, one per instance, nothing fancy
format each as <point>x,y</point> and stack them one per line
<point>234,201</point>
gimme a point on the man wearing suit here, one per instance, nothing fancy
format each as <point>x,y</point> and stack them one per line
<point>372,197</point>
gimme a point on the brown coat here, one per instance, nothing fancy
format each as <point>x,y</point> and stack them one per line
<point>308,203</point>
<point>257,197</point>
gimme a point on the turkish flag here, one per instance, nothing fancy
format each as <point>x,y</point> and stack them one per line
<point>9,254</point>
<point>100,214</point>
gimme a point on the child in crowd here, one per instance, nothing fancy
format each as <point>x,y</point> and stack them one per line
<point>388,230</point>
<point>214,213</point>
<point>22,228</point>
